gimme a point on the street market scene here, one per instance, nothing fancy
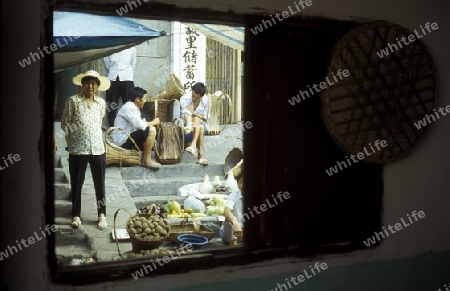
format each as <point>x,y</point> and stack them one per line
<point>153,109</point>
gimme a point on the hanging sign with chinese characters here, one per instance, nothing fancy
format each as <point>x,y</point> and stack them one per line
<point>190,57</point>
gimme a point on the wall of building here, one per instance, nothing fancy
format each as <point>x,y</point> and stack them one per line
<point>415,258</point>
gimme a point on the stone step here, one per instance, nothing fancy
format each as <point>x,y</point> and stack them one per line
<point>57,161</point>
<point>69,242</point>
<point>63,208</point>
<point>174,170</point>
<point>60,176</point>
<point>62,191</point>
<point>159,187</point>
<point>71,236</point>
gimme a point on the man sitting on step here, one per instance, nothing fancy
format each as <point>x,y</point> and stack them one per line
<point>141,131</point>
<point>194,109</point>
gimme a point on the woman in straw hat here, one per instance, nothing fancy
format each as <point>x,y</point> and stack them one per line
<point>82,120</point>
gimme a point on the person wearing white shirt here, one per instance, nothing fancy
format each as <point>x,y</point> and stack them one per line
<point>232,227</point>
<point>141,131</point>
<point>194,109</point>
<point>120,67</point>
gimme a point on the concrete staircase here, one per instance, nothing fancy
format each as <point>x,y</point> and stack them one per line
<point>70,243</point>
<point>130,188</point>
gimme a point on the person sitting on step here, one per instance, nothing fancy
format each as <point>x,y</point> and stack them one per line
<point>141,131</point>
<point>194,109</point>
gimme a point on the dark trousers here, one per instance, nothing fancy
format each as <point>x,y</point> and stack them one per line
<point>117,88</point>
<point>77,170</point>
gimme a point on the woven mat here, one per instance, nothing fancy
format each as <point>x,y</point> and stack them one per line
<point>382,97</point>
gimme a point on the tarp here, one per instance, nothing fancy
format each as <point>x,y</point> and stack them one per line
<point>81,37</point>
<point>232,36</point>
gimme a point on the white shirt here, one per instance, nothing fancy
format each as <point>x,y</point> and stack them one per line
<point>234,202</point>
<point>128,118</point>
<point>121,64</point>
<point>202,108</point>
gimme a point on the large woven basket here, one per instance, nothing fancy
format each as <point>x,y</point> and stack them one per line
<point>118,155</point>
<point>137,243</point>
<point>219,113</point>
<point>169,145</point>
<point>185,227</point>
<point>173,89</point>
<point>161,108</point>
<point>234,157</point>
<point>383,96</point>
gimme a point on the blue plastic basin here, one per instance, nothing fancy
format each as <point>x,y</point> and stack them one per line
<point>194,239</point>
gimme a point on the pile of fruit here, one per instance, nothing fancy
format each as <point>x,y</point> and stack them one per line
<point>150,228</point>
<point>175,210</point>
<point>216,206</point>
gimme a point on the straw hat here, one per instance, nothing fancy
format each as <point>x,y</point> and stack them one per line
<point>105,83</point>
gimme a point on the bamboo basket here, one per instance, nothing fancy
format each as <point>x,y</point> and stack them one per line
<point>173,89</point>
<point>137,243</point>
<point>184,227</point>
<point>118,155</point>
<point>163,109</point>
<point>234,157</point>
<point>219,113</point>
<point>382,97</point>
<point>169,145</point>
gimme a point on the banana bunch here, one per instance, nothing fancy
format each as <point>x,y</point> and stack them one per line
<point>186,215</point>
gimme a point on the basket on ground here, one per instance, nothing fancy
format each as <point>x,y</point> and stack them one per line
<point>146,239</point>
<point>118,155</point>
<point>219,113</point>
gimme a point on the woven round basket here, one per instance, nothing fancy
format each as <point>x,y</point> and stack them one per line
<point>139,244</point>
<point>234,157</point>
<point>384,95</point>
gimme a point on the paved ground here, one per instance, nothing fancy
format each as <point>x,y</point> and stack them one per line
<point>89,242</point>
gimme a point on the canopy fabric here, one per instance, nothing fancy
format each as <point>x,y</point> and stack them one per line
<point>232,36</point>
<point>80,37</point>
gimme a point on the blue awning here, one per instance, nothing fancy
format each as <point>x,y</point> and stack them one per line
<point>80,37</point>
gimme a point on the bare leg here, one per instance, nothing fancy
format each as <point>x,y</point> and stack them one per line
<point>148,145</point>
<point>196,132</point>
<point>188,119</point>
<point>201,137</point>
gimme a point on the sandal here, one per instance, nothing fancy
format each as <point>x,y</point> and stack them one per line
<point>76,222</point>
<point>192,150</point>
<point>202,162</point>
<point>153,165</point>
<point>102,222</point>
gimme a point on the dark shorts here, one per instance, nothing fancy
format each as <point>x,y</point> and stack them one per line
<point>188,136</point>
<point>139,137</point>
